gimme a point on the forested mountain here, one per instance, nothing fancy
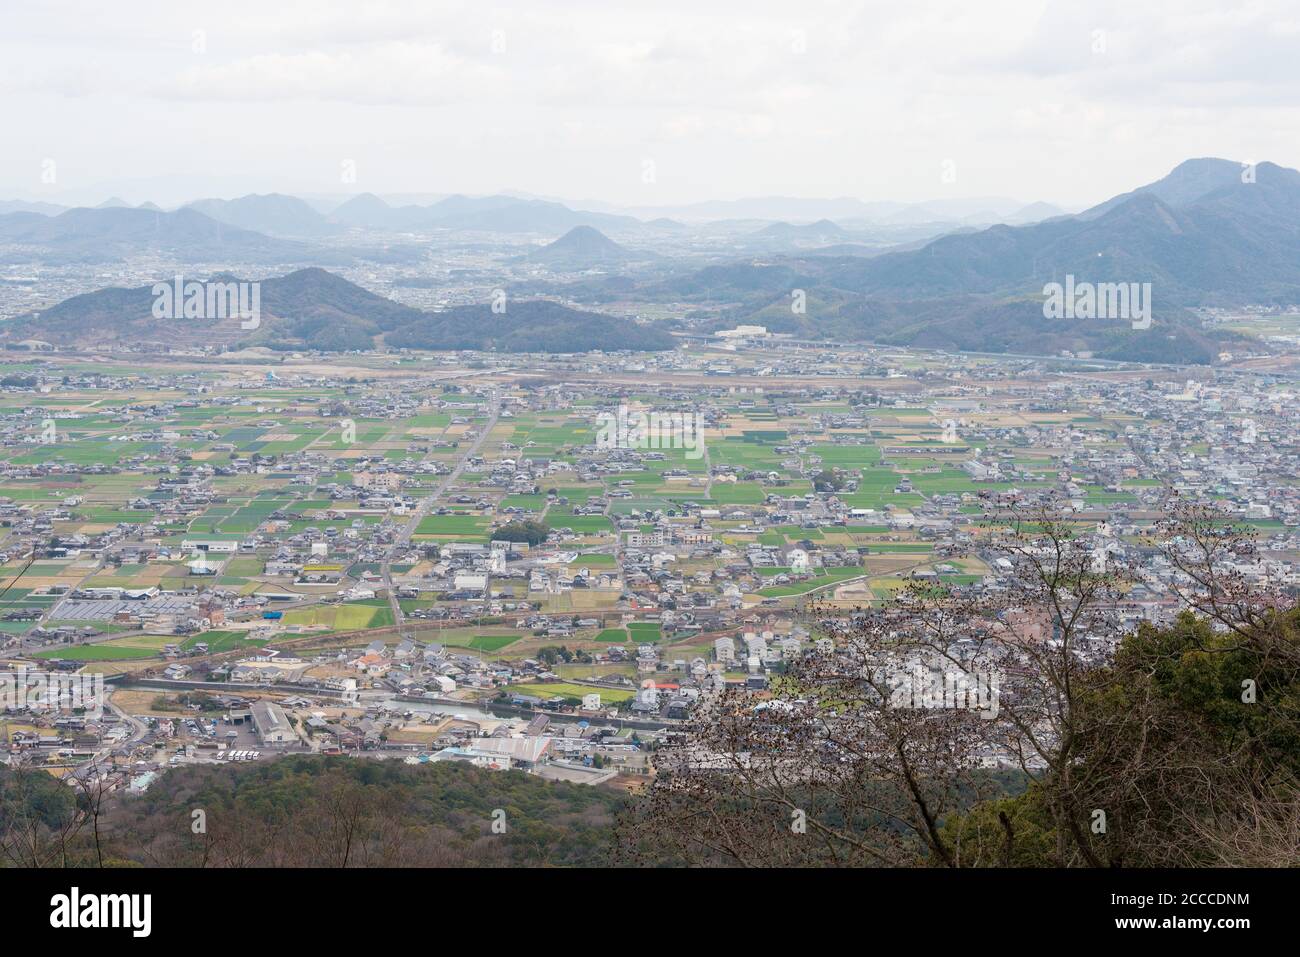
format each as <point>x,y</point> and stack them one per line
<point>315,309</point>
<point>528,326</point>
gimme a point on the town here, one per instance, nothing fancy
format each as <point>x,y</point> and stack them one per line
<point>436,557</point>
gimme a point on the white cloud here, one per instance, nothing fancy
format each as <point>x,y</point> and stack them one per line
<point>399,72</point>
<point>819,98</point>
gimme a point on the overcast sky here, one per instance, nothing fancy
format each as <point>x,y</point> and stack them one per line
<point>639,103</point>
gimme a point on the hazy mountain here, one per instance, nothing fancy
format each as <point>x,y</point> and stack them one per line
<point>523,216</point>
<point>774,208</point>
<point>852,249</point>
<point>315,309</point>
<point>186,235</point>
<point>460,205</point>
<point>1231,242</point>
<point>1200,236</point>
<point>500,214</point>
<point>274,214</point>
<point>988,209</point>
<point>583,247</point>
<point>1034,213</point>
<point>105,235</point>
<point>371,212</point>
<point>953,212</point>
<point>1189,181</point>
<point>25,206</point>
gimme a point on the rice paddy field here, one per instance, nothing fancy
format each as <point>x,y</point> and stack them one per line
<point>277,453</point>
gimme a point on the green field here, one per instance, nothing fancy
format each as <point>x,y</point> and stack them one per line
<point>549,689</point>
<point>350,617</point>
<point>489,643</point>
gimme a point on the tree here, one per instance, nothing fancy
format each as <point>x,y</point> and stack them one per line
<point>827,480</point>
<point>550,654</point>
<point>532,532</point>
<point>46,823</point>
<point>1059,741</point>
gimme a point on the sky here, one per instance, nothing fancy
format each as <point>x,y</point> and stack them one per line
<point>639,104</point>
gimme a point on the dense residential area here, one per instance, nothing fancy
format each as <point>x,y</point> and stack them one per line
<point>262,558</point>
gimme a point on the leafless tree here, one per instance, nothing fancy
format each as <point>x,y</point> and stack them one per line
<point>840,764</point>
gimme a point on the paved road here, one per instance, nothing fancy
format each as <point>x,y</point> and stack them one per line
<point>403,538</point>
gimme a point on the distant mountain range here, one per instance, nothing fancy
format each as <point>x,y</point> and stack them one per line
<point>315,309</point>
<point>498,214</point>
<point>274,214</point>
<point>269,229</point>
<point>23,206</point>
<point>1209,233</point>
<point>114,233</point>
<point>278,214</point>
<point>1200,235</point>
<point>823,231</point>
<point>966,211</point>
